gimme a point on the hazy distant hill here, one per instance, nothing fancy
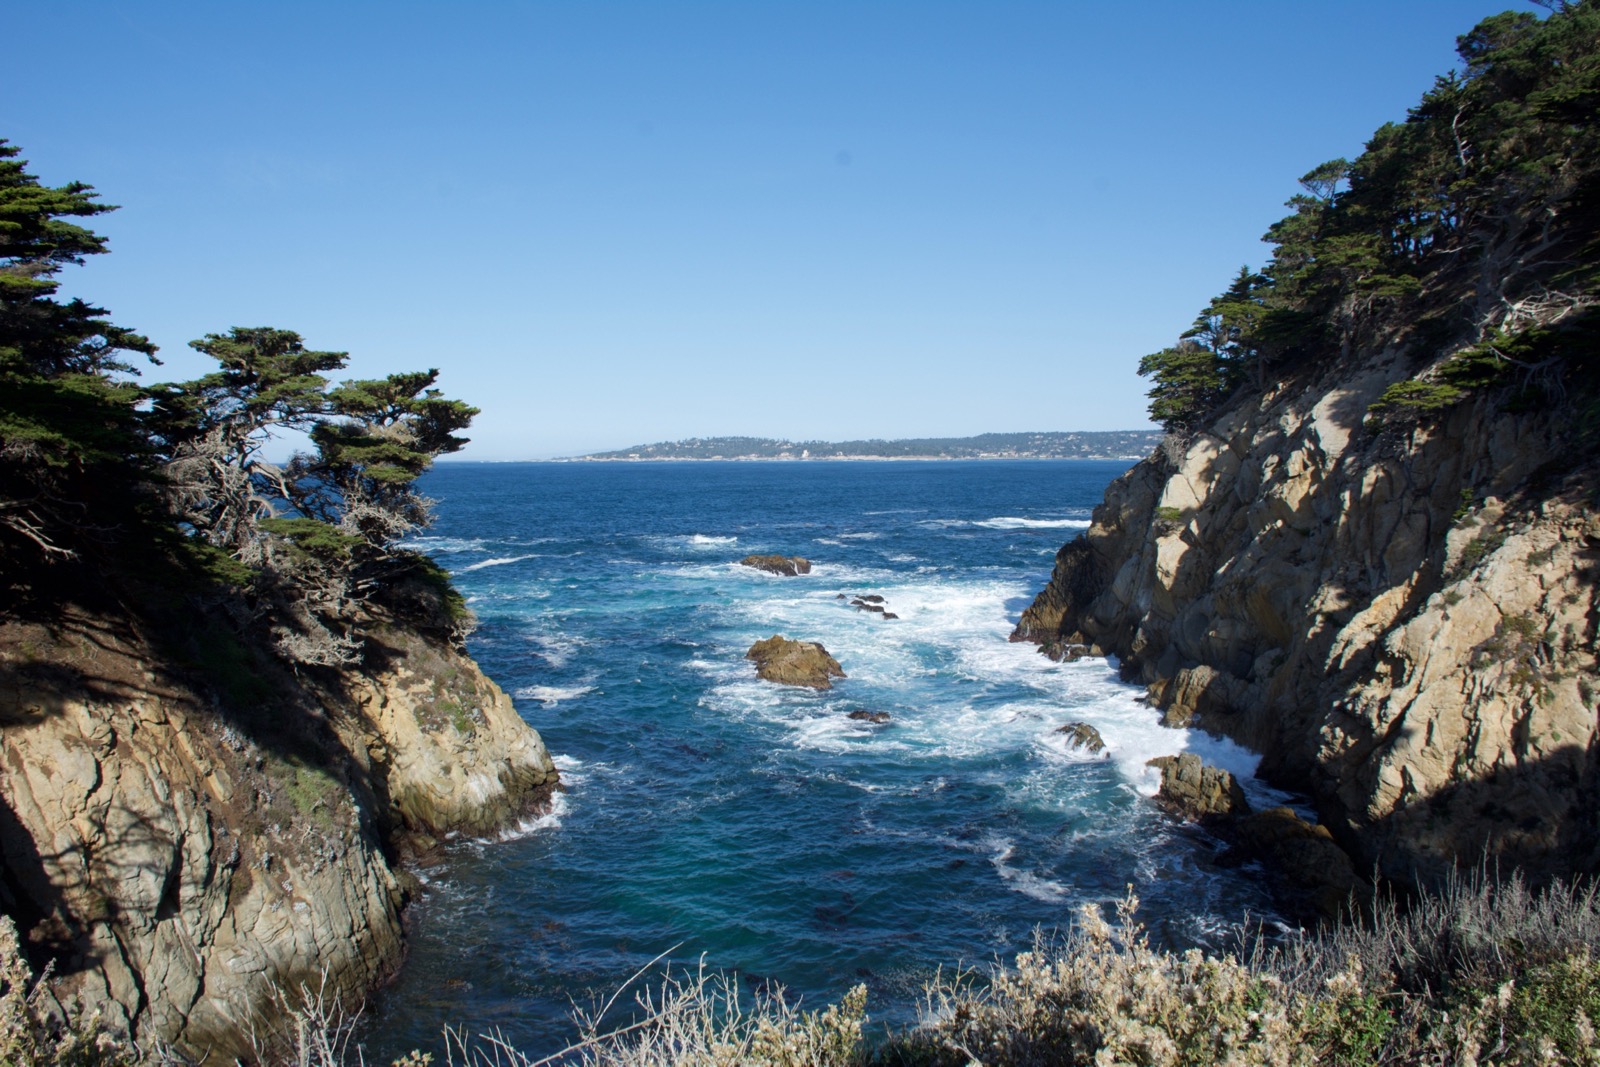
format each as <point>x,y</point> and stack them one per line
<point>1104,444</point>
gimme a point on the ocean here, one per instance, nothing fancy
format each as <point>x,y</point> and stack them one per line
<point>715,817</point>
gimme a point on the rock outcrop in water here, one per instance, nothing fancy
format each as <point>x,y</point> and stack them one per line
<point>788,566</point>
<point>1082,735</point>
<point>180,849</point>
<point>1198,791</point>
<point>804,663</point>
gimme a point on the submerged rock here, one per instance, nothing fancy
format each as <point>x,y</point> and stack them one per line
<point>1315,877</point>
<point>1305,855</point>
<point>789,566</point>
<point>1082,735</point>
<point>807,663</point>
<point>871,602</point>
<point>877,718</point>
<point>1197,791</point>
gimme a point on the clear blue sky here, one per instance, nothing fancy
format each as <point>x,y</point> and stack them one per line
<point>609,223</point>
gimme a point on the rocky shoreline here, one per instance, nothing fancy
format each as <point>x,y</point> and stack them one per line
<point>1399,619</point>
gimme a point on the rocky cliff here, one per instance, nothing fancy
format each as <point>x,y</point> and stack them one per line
<point>188,829</point>
<point>1401,618</point>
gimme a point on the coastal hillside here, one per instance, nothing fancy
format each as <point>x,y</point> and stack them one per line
<point>230,701</point>
<point>1098,444</point>
<point>1368,545</point>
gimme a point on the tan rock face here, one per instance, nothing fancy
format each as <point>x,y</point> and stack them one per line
<point>1403,623</point>
<point>179,862</point>
<point>1198,791</point>
<point>804,663</point>
<point>447,749</point>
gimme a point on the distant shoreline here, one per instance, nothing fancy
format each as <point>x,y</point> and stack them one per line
<point>825,459</point>
<point>456,461</point>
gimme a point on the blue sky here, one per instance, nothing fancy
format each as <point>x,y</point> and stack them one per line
<point>610,223</point>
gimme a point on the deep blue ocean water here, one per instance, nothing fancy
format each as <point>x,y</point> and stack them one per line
<point>755,825</point>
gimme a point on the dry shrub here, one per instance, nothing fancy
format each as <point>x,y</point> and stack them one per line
<point>698,1020</point>
<point>1485,972</point>
<point>32,1032</point>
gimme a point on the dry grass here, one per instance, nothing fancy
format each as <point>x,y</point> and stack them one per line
<point>1486,972</point>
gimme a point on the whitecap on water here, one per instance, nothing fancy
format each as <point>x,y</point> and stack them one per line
<point>1013,522</point>
<point>556,649</point>
<point>447,544</point>
<point>1015,878</point>
<point>549,695</point>
<point>699,541</point>
<point>498,562</point>
<point>549,819</point>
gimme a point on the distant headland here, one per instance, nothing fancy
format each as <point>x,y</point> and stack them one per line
<point>1097,444</point>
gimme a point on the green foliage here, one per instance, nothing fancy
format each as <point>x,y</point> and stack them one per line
<point>313,538</point>
<point>312,791</point>
<point>148,480</point>
<point>1108,444</point>
<point>1556,1006</point>
<point>69,433</point>
<point>1411,398</point>
<point>437,580</point>
<point>228,665</point>
<point>1473,219</point>
<point>1190,381</point>
<point>1518,648</point>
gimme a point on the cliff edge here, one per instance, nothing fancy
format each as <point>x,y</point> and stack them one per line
<point>1368,546</point>
<point>189,829</point>
<point>1402,623</point>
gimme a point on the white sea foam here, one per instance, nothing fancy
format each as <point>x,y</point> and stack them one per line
<point>956,687</point>
<point>447,544</point>
<point>1005,522</point>
<point>867,535</point>
<point>549,695</point>
<point>549,819</point>
<point>499,562</point>
<point>1024,882</point>
<point>710,541</point>
<point>556,649</point>
<point>1011,522</point>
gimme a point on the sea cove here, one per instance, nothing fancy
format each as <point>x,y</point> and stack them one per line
<point>710,813</point>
